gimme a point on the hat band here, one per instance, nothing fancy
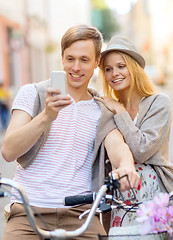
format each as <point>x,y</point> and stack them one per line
<point>117,46</point>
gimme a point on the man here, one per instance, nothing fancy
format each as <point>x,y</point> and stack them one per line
<point>57,135</point>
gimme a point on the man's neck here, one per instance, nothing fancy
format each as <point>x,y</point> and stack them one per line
<point>79,94</point>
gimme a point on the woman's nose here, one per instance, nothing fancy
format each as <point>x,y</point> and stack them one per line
<point>115,72</point>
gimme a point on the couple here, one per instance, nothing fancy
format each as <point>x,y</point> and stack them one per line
<point>60,141</point>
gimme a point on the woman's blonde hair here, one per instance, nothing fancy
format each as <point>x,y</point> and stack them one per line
<point>139,79</point>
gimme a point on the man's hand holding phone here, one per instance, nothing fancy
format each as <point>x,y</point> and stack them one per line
<point>57,97</point>
<point>58,79</point>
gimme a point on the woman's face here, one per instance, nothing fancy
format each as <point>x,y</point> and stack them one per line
<point>116,72</point>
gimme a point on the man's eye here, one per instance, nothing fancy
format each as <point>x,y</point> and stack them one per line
<point>84,60</point>
<point>70,59</point>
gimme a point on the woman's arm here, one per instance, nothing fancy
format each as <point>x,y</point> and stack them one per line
<point>121,158</point>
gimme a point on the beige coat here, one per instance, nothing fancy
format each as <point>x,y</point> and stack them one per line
<point>149,139</point>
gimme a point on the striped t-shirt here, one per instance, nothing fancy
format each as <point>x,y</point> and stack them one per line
<point>63,164</point>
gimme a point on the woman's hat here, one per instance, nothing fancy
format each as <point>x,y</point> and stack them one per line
<point>123,45</point>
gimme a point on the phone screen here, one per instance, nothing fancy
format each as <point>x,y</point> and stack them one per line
<point>58,79</point>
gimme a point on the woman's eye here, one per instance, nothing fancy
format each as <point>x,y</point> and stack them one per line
<point>122,66</point>
<point>107,69</point>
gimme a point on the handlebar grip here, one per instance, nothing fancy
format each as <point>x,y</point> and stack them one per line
<point>2,194</point>
<point>79,199</point>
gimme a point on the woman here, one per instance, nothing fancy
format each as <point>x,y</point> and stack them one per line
<point>143,117</point>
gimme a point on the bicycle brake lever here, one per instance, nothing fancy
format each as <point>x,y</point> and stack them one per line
<point>87,212</point>
<point>105,207</point>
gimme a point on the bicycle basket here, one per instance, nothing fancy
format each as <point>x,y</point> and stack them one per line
<point>132,233</point>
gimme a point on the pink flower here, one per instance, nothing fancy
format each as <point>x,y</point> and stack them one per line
<point>156,216</point>
<point>170,212</point>
<point>162,199</point>
<point>145,212</point>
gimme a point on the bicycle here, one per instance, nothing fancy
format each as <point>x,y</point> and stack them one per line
<point>100,205</point>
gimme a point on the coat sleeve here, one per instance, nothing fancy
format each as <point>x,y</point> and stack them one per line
<point>153,130</point>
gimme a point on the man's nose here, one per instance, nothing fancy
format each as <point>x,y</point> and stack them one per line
<point>76,66</point>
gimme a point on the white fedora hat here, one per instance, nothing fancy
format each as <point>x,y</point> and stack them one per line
<point>121,44</point>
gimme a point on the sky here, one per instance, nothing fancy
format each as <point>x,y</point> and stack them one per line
<point>121,6</point>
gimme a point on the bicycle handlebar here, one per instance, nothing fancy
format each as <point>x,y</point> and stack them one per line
<point>79,199</point>
<point>89,198</point>
<point>58,233</point>
<point>98,198</point>
<point>29,212</point>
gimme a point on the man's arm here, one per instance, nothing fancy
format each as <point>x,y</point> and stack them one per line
<point>23,131</point>
<point>121,158</point>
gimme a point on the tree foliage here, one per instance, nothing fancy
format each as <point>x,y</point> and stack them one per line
<point>103,18</point>
<point>99,4</point>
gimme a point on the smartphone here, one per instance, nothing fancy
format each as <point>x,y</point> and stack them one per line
<point>58,79</point>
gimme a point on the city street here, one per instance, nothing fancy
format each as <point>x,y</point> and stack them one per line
<point>7,170</point>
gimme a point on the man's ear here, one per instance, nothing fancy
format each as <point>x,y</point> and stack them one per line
<point>98,61</point>
<point>62,58</point>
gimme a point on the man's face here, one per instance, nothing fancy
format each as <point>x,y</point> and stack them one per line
<point>79,63</point>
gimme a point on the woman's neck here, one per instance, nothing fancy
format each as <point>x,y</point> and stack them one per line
<point>131,106</point>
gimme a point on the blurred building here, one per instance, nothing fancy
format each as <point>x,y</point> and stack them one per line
<point>149,25</point>
<point>22,42</point>
<point>162,37</point>
<point>30,34</point>
<point>62,15</point>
